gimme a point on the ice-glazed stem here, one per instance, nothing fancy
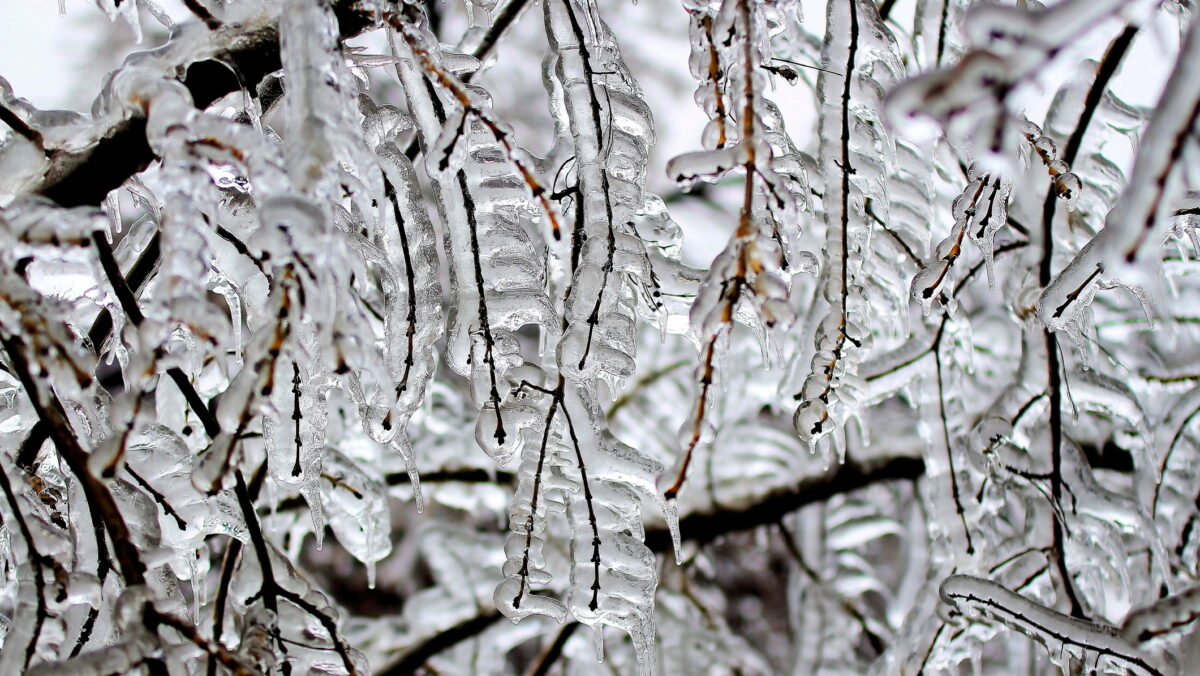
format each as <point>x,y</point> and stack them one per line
<point>1054,630</point>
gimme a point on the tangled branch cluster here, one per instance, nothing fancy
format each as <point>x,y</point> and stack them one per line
<point>353,267</point>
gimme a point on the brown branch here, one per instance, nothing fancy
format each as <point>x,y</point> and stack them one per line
<point>155,618</point>
<point>555,400</point>
<point>136,279</point>
<point>504,18</point>
<point>414,659</point>
<point>128,301</point>
<point>271,591</point>
<point>32,444</point>
<point>1107,69</point>
<point>21,127</point>
<point>403,22</point>
<point>202,13</point>
<point>951,470</point>
<point>466,475</point>
<point>228,565</point>
<point>553,651</point>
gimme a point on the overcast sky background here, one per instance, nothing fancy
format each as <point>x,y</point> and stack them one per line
<point>41,50</point>
<point>57,60</point>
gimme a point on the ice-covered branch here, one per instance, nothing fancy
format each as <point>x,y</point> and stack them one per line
<point>857,150</point>
<point>210,64</point>
<point>1126,251</point>
<point>1069,641</point>
<point>751,268</point>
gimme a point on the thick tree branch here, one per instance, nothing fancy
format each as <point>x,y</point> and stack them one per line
<point>414,659</point>
<point>704,527</point>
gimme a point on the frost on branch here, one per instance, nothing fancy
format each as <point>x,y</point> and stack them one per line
<point>611,131</point>
<point>977,99</point>
<point>1125,251</point>
<point>496,270</point>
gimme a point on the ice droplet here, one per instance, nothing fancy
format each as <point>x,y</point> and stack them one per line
<point>1067,187</point>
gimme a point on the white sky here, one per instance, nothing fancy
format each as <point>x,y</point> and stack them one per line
<point>41,51</point>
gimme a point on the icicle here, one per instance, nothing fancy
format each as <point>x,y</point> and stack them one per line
<point>112,206</point>
<point>598,642</point>
<point>357,508</point>
<point>312,497</point>
<point>671,512</point>
<point>401,445</point>
<point>197,587</point>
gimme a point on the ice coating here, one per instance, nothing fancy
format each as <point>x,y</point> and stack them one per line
<point>1066,638</point>
<point>259,342</point>
<point>748,271</point>
<point>486,236</point>
<point>869,62</point>
<point>979,212</point>
<point>975,99</point>
<point>1120,253</point>
<point>356,508</point>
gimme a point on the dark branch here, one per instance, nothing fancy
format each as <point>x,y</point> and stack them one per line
<point>704,527</point>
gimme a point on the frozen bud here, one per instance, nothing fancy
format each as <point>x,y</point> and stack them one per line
<point>493,436</point>
<point>1046,149</point>
<point>807,263</point>
<point>527,378</point>
<point>811,420</point>
<point>132,605</point>
<point>989,432</point>
<point>964,204</point>
<point>686,169</point>
<point>776,312</point>
<point>951,248</point>
<point>928,282</point>
<point>815,387</point>
<point>769,285</point>
<point>1067,187</point>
